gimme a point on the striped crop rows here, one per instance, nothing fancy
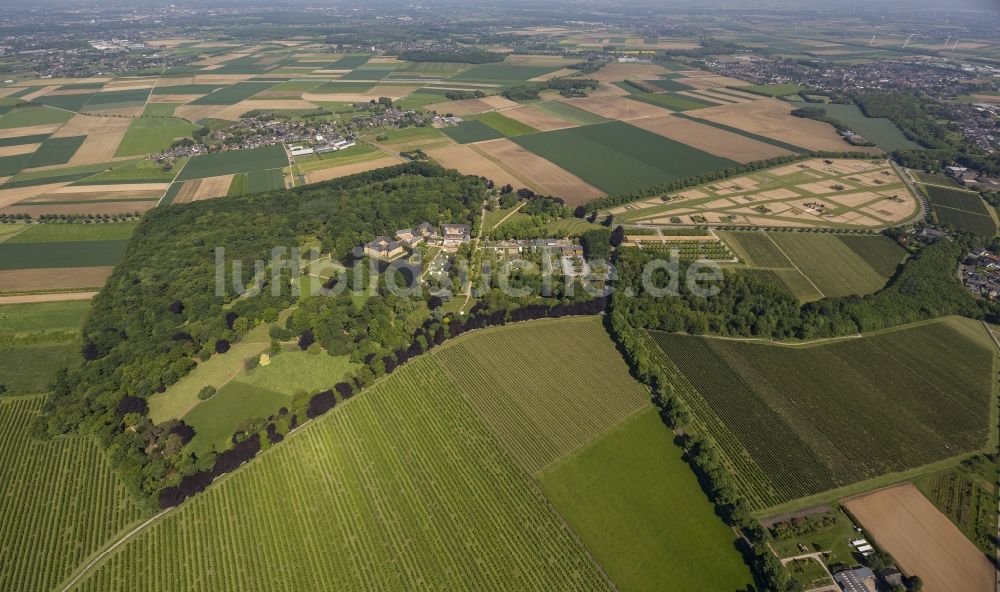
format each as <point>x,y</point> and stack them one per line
<point>752,482</point>
<point>60,501</point>
<point>401,488</point>
<point>544,389</point>
<point>792,468</point>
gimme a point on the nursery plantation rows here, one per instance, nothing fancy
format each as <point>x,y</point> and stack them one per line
<point>569,401</point>
<point>60,501</point>
<point>415,483</point>
<point>402,488</point>
<point>798,421</point>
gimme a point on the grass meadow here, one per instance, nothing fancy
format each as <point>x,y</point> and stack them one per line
<point>639,509</point>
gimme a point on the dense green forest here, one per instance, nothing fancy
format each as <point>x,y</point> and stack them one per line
<point>159,309</point>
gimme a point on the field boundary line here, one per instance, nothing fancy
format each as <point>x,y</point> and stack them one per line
<point>790,260</point>
<point>575,452</point>
<point>121,541</point>
<point>172,181</point>
<point>494,227</point>
<point>27,226</point>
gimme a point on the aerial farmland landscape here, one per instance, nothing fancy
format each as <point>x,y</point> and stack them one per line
<point>668,296</point>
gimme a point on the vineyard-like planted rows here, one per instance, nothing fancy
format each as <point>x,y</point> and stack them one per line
<point>793,470</point>
<point>757,249</point>
<point>815,418</point>
<point>544,388</point>
<point>402,488</point>
<point>60,501</point>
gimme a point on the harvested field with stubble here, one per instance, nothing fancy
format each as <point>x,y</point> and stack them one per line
<point>712,140</point>
<point>206,188</point>
<point>53,278</point>
<point>570,400</point>
<point>620,108</point>
<point>468,160</point>
<point>351,169</point>
<point>536,118</point>
<point>772,118</point>
<point>922,540</point>
<point>541,175</point>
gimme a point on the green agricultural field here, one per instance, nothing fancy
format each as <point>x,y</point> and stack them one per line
<point>669,84</point>
<point>50,233</point>
<point>10,165</point>
<point>134,171</point>
<point>832,266</point>
<point>63,175</point>
<point>881,131</point>
<point>814,265</point>
<point>881,253</point>
<point>935,179</point>
<point>269,180</point>
<point>955,198</point>
<point>772,90</point>
<point>236,161</point>
<point>672,101</point>
<point>756,249</point>
<point>43,316</point>
<point>187,89</point>
<point>160,109</point>
<point>318,162</point>
<point>797,421</point>
<point>365,73</point>
<point>117,99</point>
<point>230,95</point>
<point>961,209</point>
<point>471,130</point>
<point>640,511</point>
<point>336,86</point>
<point>368,480</point>
<point>503,73</point>
<point>568,112</point>
<point>569,399</point>
<point>408,136</point>
<point>21,140</point>
<point>29,116</point>
<point>149,135</point>
<point>505,125</point>
<point>62,501</point>
<point>32,368</point>
<point>616,157</point>
<point>980,224</point>
<point>61,254</point>
<point>74,102</point>
<point>55,151</point>
<point>238,186</point>
<point>347,62</point>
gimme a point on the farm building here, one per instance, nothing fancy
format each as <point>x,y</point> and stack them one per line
<point>455,234</point>
<point>859,579</point>
<point>301,150</point>
<point>384,247</point>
